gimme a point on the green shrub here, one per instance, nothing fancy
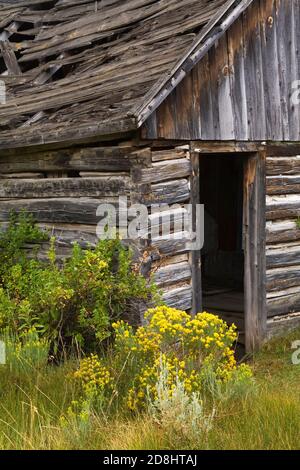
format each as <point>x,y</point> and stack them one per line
<point>21,229</point>
<point>71,304</point>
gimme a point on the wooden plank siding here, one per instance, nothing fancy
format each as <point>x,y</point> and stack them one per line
<point>241,90</point>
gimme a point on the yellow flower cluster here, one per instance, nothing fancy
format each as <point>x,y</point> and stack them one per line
<point>182,346</point>
<point>92,259</point>
<point>93,376</point>
<point>185,344</point>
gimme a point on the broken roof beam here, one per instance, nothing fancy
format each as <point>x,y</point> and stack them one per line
<point>45,75</point>
<point>37,117</point>
<point>9,31</point>
<point>9,58</point>
<point>8,54</point>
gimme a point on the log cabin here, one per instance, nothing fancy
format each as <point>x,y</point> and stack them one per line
<point>164,102</point>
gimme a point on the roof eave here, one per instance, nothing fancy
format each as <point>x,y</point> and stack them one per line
<point>72,135</point>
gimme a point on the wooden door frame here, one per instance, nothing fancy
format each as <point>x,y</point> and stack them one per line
<point>254,223</point>
<point>255,250</point>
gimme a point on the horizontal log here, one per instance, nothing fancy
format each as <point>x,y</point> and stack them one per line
<point>41,253</point>
<point>162,155</point>
<point>226,147</point>
<point>172,274</point>
<point>64,210</point>
<point>21,176</point>
<point>283,256</point>
<point>282,149</point>
<point>279,214</point>
<point>282,231</point>
<point>282,202</point>
<point>167,261</point>
<point>170,192</point>
<point>180,297</point>
<point>67,234</point>
<point>283,185</point>
<point>283,304</point>
<point>162,171</point>
<point>64,187</point>
<point>279,279</point>
<point>162,248</point>
<point>102,174</point>
<point>166,223</point>
<point>289,165</point>
<point>282,324</point>
<point>284,236</point>
<point>65,241</point>
<point>282,207</point>
<point>283,293</point>
<point>88,159</point>
<point>281,226</point>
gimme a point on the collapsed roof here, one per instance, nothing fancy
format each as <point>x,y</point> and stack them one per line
<point>74,69</point>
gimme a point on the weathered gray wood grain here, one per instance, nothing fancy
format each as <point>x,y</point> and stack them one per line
<point>64,187</point>
<point>172,274</point>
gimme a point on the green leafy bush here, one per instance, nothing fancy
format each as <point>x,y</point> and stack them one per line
<point>72,303</point>
<point>21,230</point>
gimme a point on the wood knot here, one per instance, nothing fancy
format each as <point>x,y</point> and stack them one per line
<point>228,70</point>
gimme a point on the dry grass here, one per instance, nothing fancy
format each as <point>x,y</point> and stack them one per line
<point>31,405</point>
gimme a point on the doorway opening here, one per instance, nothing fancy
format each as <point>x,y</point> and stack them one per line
<point>223,253</point>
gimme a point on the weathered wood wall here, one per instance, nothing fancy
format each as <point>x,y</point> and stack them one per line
<point>165,178</point>
<point>283,238</point>
<point>241,90</point>
<point>63,188</point>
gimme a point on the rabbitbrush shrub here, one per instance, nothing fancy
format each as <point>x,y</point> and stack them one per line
<point>186,349</point>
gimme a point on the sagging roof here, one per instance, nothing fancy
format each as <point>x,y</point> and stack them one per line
<point>75,69</point>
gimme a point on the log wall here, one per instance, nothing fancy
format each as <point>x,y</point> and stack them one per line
<point>63,189</point>
<point>164,177</point>
<point>283,239</point>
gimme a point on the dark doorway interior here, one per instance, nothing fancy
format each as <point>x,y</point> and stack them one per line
<point>221,192</point>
